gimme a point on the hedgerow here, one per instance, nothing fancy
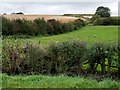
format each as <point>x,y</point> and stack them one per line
<point>38,27</point>
<point>60,58</point>
<point>107,21</point>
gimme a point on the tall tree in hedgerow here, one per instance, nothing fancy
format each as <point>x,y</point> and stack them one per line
<point>103,11</point>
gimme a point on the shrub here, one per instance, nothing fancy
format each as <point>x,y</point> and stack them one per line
<point>115,20</point>
<point>41,26</point>
<point>65,27</point>
<point>67,57</point>
<point>11,58</point>
<point>23,27</point>
<point>56,25</point>
<point>0,26</point>
<point>112,56</point>
<point>18,59</point>
<point>107,21</point>
<point>34,56</point>
<point>96,55</point>
<point>79,23</point>
<point>50,29</point>
<point>102,21</point>
<point>118,57</point>
<point>6,27</point>
<point>95,17</point>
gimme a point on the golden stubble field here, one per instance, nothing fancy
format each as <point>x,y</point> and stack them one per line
<point>62,19</point>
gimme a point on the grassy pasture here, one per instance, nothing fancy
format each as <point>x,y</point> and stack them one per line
<point>90,34</point>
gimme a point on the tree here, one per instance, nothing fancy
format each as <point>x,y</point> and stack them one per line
<point>20,13</point>
<point>103,11</point>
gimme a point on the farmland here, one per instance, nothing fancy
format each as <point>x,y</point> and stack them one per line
<point>90,34</point>
<point>59,45</point>
<point>57,48</point>
<point>65,50</point>
<point>62,19</point>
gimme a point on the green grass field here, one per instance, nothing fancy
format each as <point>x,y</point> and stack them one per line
<point>89,34</point>
<point>39,81</point>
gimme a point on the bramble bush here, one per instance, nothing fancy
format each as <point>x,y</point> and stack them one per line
<point>59,58</point>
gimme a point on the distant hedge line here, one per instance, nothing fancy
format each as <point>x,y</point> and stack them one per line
<point>38,27</point>
<point>60,58</point>
<point>107,21</point>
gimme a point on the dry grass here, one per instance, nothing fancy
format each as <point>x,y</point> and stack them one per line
<point>62,19</point>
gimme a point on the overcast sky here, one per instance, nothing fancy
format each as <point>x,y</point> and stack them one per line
<point>56,7</point>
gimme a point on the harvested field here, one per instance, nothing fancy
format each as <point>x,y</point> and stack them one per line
<point>62,19</point>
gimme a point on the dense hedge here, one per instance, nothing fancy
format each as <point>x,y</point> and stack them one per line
<point>38,27</point>
<point>59,58</point>
<point>107,21</point>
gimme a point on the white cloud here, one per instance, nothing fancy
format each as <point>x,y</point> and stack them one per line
<point>56,7</point>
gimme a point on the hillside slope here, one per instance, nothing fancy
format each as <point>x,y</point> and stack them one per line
<point>89,34</point>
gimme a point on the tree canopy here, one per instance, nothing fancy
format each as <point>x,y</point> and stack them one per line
<point>103,11</point>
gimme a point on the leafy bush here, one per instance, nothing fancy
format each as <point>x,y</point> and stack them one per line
<point>41,26</point>
<point>79,23</point>
<point>112,56</point>
<point>18,59</point>
<point>96,55</point>
<point>67,57</point>
<point>66,27</point>
<point>6,27</point>
<point>57,26</point>
<point>115,20</point>
<point>118,57</point>
<point>102,21</point>
<point>23,27</point>
<point>107,21</point>
<point>11,57</point>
